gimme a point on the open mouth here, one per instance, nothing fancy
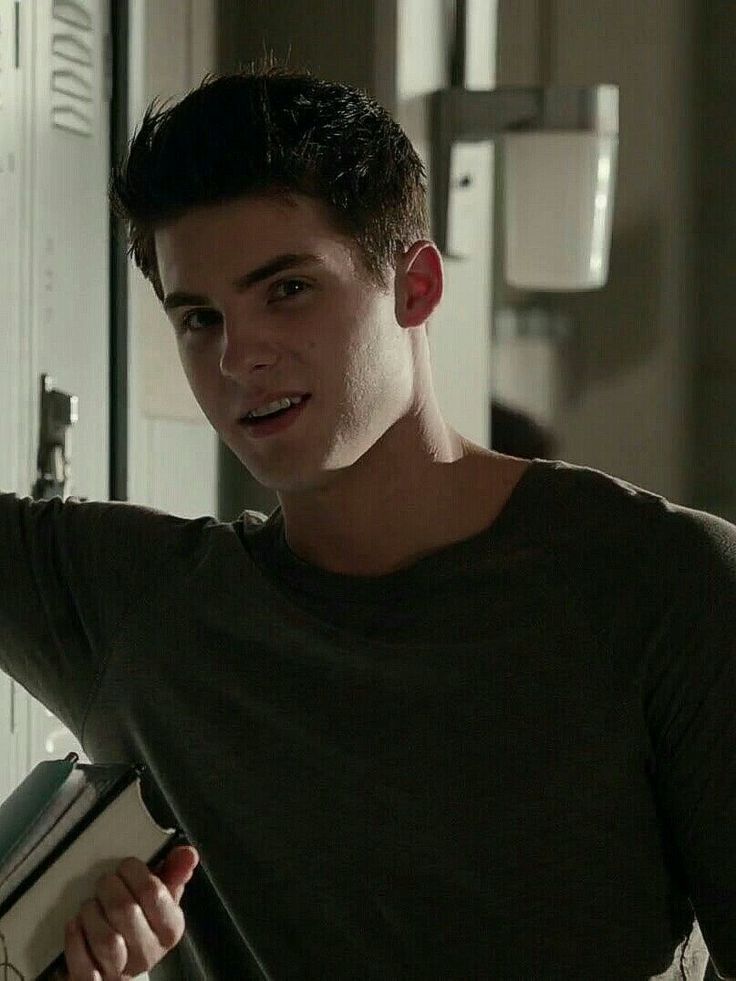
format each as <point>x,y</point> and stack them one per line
<point>275,420</point>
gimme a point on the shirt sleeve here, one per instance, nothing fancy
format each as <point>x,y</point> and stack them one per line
<point>70,572</point>
<point>691,714</point>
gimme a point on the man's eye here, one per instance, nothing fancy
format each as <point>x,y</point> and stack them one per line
<point>186,322</point>
<point>284,288</point>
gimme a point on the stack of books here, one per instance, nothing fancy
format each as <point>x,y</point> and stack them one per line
<point>66,825</point>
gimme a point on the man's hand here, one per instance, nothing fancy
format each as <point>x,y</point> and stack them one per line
<point>133,921</point>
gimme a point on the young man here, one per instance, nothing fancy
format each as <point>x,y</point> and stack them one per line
<point>444,713</point>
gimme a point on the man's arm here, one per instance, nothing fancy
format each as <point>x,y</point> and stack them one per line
<point>690,698</point>
<point>69,572</point>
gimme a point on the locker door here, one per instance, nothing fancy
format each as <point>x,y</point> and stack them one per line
<point>13,707</point>
<point>65,70</point>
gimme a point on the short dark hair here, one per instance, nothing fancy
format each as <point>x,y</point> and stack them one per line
<point>273,130</point>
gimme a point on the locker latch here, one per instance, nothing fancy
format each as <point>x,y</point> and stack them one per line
<point>59,412</point>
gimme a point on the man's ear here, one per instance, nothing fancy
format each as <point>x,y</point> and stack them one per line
<point>419,283</point>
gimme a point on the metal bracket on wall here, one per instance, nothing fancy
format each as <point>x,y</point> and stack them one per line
<point>512,322</point>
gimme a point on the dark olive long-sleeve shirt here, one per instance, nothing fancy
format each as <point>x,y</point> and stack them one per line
<point>514,759</point>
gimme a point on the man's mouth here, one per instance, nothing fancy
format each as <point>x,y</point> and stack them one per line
<point>275,420</point>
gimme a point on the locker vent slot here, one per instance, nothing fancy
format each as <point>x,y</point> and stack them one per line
<point>4,45</point>
<point>72,68</point>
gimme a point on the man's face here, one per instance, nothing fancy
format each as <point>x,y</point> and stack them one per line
<point>317,326</point>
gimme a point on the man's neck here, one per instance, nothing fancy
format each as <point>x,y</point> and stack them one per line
<point>412,513</point>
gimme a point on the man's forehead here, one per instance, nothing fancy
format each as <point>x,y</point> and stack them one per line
<point>259,226</point>
<point>187,278</point>
<point>268,212</point>
<point>241,237</point>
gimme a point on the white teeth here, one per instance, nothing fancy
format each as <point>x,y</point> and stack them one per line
<point>274,407</point>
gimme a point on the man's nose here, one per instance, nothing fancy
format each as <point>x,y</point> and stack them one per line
<point>243,349</point>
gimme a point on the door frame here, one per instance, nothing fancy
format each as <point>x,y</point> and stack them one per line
<point>119,53</point>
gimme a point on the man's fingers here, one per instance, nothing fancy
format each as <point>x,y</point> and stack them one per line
<point>134,919</point>
<point>132,922</point>
<point>105,943</point>
<point>152,895</point>
<point>177,869</point>
<point>80,966</point>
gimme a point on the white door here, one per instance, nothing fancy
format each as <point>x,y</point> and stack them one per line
<point>11,766</point>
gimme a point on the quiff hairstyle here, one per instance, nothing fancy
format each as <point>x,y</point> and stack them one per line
<point>273,130</point>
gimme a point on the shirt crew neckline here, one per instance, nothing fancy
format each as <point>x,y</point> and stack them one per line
<point>270,550</point>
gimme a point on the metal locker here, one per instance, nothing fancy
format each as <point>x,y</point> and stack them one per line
<point>58,263</point>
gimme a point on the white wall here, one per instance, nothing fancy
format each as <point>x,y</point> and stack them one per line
<point>172,461</point>
<point>619,394</point>
<point>460,331</point>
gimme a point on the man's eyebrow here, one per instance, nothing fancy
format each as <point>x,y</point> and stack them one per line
<point>285,260</point>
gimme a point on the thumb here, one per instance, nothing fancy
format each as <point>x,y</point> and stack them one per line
<point>177,869</point>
